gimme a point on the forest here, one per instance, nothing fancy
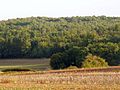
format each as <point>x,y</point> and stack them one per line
<point>41,37</point>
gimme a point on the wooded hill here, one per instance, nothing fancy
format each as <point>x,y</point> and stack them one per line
<point>38,37</point>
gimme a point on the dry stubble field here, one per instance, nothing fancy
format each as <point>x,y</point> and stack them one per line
<point>83,79</point>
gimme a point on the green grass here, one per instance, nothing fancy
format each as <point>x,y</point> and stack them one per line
<point>35,64</point>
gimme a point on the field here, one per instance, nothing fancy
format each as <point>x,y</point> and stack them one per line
<point>35,64</point>
<point>45,79</point>
<point>78,79</point>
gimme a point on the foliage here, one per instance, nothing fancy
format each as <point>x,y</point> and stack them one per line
<point>40,37</point>
<point>76,55</point>
<point>108,51</point>
<point>71,57</point>
<point>94,61</point>
<point>59,61</point>
<point>72,67</point>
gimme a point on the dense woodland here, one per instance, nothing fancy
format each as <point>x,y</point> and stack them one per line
<point>40,37</point>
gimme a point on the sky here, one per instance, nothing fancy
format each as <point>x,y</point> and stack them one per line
<point>10,9</point>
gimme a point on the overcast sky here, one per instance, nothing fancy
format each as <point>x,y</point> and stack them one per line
<point>58,8</point>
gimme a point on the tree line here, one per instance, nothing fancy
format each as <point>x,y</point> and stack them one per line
<point>78,57</point>
<point>39,37</point>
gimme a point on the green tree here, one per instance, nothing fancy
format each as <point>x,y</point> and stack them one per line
<point>108,51</point>
<point>76,55</point>
<point>59,61</point>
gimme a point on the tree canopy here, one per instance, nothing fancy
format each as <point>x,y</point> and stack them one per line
<point>38,37</point>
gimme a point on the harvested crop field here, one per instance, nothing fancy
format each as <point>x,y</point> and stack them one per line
<point>62,80</point>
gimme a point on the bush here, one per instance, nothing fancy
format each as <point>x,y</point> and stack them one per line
<point>16,70</point>
<point>94,61</point>
<point>59,61</point>
<point>108,51</point>
<point>72,67</point>
<point>71,57</point>
<point>76,55</point>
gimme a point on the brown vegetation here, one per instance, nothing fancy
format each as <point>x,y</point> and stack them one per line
<point>81,79</point>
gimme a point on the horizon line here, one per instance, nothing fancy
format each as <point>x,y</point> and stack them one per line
<point>5,19</point>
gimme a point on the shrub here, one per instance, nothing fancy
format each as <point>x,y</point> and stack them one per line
<point>72,67</point>
<point>59,61</point>
<point>16,70</point>
<point>76,55</point>
<point>71,57</point>
<point>94,61</point>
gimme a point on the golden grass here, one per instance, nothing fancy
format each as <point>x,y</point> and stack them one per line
<point>59,80</point>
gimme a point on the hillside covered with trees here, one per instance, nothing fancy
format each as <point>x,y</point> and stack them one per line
<point>39,37</point>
